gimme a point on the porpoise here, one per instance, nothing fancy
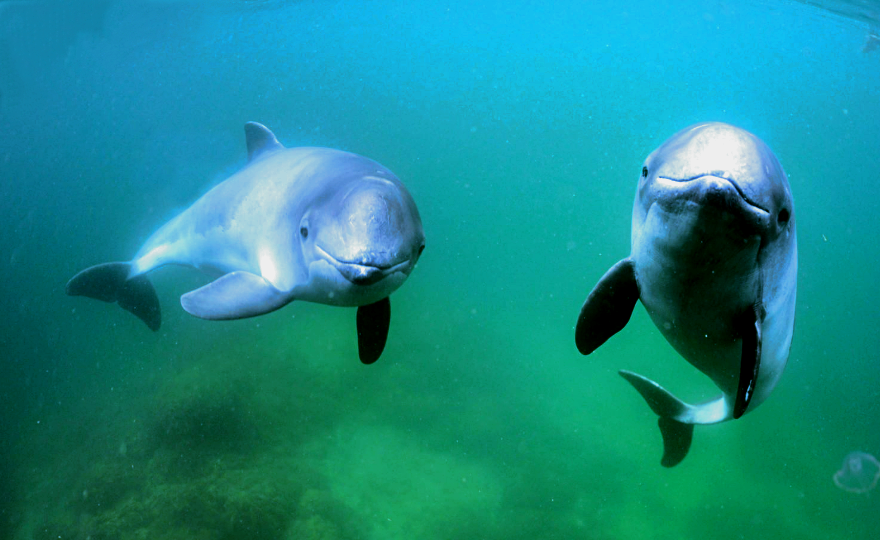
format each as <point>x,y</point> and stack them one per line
<point>714,261</point>
<point>313,224</point>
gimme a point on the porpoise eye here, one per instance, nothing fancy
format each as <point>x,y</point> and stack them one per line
<point>644,172</point>
<point>421,249</point>
<point>783,216</point>
<point>304,232</point>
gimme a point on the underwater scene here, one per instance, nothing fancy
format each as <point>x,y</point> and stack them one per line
<point>519,131</point>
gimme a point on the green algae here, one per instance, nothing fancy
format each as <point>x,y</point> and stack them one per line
<point>198,421</point>
<point>199,469</point>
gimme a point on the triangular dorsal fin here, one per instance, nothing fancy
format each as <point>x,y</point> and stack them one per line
<point>260,140</point>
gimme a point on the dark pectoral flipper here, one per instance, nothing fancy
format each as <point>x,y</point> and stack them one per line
<point>109,283</point>
<point>608,308</point>
<point>236,295</point>
<point>372,329</point>
<point>749,327</point>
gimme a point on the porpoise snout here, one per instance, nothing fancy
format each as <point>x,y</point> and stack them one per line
<point>368,270</point>
<point>361,274</point>
<point>722,192</point>
<point>713,189</point>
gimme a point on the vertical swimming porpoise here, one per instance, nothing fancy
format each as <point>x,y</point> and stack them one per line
<point>714,261</point>
<point>312,224</point>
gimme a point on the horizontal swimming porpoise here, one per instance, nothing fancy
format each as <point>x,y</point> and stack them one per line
<point>313,224</point>
<point>714,261</point>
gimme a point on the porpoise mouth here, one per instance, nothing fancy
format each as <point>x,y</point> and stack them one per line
<point>362,273</point>
<point>713,193</point>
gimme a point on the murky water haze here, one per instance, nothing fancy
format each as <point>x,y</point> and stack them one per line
<point>521,133</point>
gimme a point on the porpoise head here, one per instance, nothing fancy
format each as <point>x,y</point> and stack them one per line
<point>723,177</point>
<point>368,230</point>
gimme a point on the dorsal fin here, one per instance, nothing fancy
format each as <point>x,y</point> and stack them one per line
<point>260,140</point>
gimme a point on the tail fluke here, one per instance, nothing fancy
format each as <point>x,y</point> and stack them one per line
<point>109,283</point>
<point>676,440</point>
<point>677,418</point>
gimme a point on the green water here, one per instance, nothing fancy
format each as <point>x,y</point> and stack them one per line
<point>520,129</point>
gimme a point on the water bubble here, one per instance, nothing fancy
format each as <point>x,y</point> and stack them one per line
<point>859,473</point>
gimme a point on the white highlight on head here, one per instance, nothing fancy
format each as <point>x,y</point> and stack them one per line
<point>379,178</point>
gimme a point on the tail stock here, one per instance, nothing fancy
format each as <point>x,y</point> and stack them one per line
<point>677,418</point>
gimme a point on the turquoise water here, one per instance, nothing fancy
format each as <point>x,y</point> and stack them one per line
<point>520,130</point>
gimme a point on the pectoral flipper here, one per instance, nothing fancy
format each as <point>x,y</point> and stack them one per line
<point>608,307</point>
<point>236,295</point>
<point>373,321</point>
